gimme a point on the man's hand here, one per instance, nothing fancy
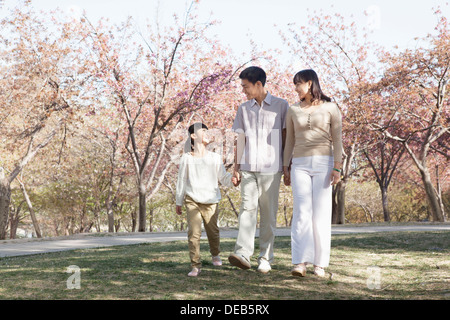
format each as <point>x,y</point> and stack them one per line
<point>178,210</point>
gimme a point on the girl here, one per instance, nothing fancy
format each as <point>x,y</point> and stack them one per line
<point>199,173</point>
<point>314,143</point>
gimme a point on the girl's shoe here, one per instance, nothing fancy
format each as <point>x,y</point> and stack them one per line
<point>194,272</point>
<point>319,271</point>
<point>299,270</point>
<point>216,261</point>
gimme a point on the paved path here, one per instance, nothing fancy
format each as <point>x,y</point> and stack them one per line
<point>85,241</point>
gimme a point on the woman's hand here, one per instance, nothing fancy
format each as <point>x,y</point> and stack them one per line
<point>178,210</point>
<point>335,177</point>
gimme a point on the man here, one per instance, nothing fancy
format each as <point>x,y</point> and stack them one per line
<point>260,126</point>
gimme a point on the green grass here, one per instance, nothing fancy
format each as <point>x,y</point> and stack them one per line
<point>411,265</point>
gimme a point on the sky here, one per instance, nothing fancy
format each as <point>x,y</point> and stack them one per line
<point>392,22</point>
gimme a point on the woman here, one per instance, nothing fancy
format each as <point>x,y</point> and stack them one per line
<point>314,144</point>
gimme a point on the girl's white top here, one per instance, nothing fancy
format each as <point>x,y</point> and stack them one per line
<point>199,178</point>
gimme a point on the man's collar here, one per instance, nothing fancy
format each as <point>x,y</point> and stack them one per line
<point>267,99</point>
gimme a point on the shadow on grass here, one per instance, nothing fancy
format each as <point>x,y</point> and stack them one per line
<point>159,271</point>
<point>395,241</point>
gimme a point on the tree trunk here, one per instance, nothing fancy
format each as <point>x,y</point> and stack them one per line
<point>338,213</point>
<point>384,200</point>
<point>5,198</point>
<point>110,214</point>
<point>439,193</point>
<point>334,207</point>
<point>150,228</point>
<point>341,203</point>
<point>432,196</point>
<point>37,229</point>
<point>338,206</point>
<point>5,183</point>
<point>286,222</point>
<point>117,225</point>
<point>142,209</point>
<point>13,223</point>
<point>133,220</point>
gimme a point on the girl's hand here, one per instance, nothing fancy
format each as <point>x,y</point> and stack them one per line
<point>178,210</point>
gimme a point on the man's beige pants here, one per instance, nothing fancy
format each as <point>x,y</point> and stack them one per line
<point>196,214</point>
<point>258,190</point>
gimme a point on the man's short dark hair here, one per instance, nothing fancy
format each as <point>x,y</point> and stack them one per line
<point>253,75</point>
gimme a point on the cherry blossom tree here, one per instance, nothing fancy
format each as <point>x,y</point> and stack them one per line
<point>414,90</point>
<point>156,81</point>
<point>39,84</point>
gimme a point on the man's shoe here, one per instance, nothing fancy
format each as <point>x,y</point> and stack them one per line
<point>264,266</point>
<point>239,261</point>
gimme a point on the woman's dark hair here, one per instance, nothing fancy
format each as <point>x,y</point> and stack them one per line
<point>193,128</point>
<point>253,75</point>
<point>310,75</point>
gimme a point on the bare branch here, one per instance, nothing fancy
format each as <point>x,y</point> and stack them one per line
<point>30,154</point>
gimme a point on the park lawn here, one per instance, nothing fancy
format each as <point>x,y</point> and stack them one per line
<point>392,265</point>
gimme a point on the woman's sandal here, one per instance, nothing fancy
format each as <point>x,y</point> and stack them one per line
<point>319,271</point>
<point>299,270</point>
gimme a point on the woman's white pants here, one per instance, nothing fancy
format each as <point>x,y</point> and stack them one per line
<point>311,220</point>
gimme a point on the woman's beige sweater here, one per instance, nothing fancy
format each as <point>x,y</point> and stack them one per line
<point>313,133</point>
